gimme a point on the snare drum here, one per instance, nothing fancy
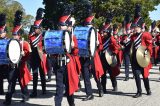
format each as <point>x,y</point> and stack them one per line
<point>57,42</point>
<point>87,37</point>
<point>10,51</point>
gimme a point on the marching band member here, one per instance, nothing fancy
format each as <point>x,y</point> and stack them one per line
<point>85,61</point>
<point>4,69</point>
<point>154,33</point>
<point>138,39</point>
<point>96,65</point>
<point>38,58</point>
<point>66,73</point>
<point>109,42</point>
<point>118,39</point>
<point>74,45</point>
<point>157,42</point>
<point>126,42</point>
<point>20,71</point>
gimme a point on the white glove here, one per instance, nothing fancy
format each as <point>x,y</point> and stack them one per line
<point>22,53</point>
<point>146,52</point>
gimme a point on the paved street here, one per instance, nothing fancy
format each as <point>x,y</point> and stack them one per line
<point>121,98</point>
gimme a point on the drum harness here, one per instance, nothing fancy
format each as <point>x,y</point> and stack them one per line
<point>62,60</point>
<point>36,40</point>
<point>106,45</point>
<point>128,40</point>
<point>137,41</point>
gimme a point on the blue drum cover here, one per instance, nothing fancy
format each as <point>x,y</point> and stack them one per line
<point>53,42</point>
<point>3,51</point>
<point>82,35</point>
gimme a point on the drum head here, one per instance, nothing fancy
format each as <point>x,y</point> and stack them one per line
<point>92,42</point>
<point>67,42</point>
<point>14,51</point>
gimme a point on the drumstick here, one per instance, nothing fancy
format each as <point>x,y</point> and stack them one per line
<point>72,42</point>
<point>22,43</point>
<point>97,39</point>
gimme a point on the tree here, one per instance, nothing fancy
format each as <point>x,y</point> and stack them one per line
<point>9,7</point>
<point>100,8</point>
<point>53,11</point>
<point>120,7</point>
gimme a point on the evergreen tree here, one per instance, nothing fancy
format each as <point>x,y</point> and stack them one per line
<point>54,8</point>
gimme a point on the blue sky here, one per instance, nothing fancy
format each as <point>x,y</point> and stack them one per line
<point>31,7</point>
<point>155,15</point>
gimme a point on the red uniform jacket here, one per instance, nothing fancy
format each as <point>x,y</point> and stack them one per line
<point>114,47</point>
<point>25,76</point>
<point>97,61</point>
<point>158,39</point>
<point>75,56</point>
<point>147,42</point>
<point>120,53</point>
<point>42,55</point>
<point>156,46</point>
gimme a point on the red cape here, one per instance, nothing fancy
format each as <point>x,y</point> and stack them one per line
<point>72,76</point>
<point>98,65</point>
<point>75,55</point>
<point>25,76</point>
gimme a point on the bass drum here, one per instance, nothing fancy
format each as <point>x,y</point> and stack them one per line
<point>86,37</point>
<point>10,51</point>
<point>57,42</point>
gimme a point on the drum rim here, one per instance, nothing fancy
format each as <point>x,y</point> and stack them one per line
<point>63,37</point>
<point>43,47</point>
<point>7,49</point>
<point>95,40</point>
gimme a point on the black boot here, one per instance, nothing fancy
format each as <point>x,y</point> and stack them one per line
<point>33,94</point>
<point>100,92</point>
<point>2,93</point>
<point>79,87</point>
<point>72,104</point>
<point>114,83</point>
<point>7,102</point>
<point>48,80</point>
<point>7,99</point>
<point>126,79</point>
<point>89,97</point>
<point>138,94</point>
<point>149,92</point>
<point>103,83</point>
<point>25,98</point>
<point>44,92</point>
<point>104,88</point>
<point>115,89</point>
